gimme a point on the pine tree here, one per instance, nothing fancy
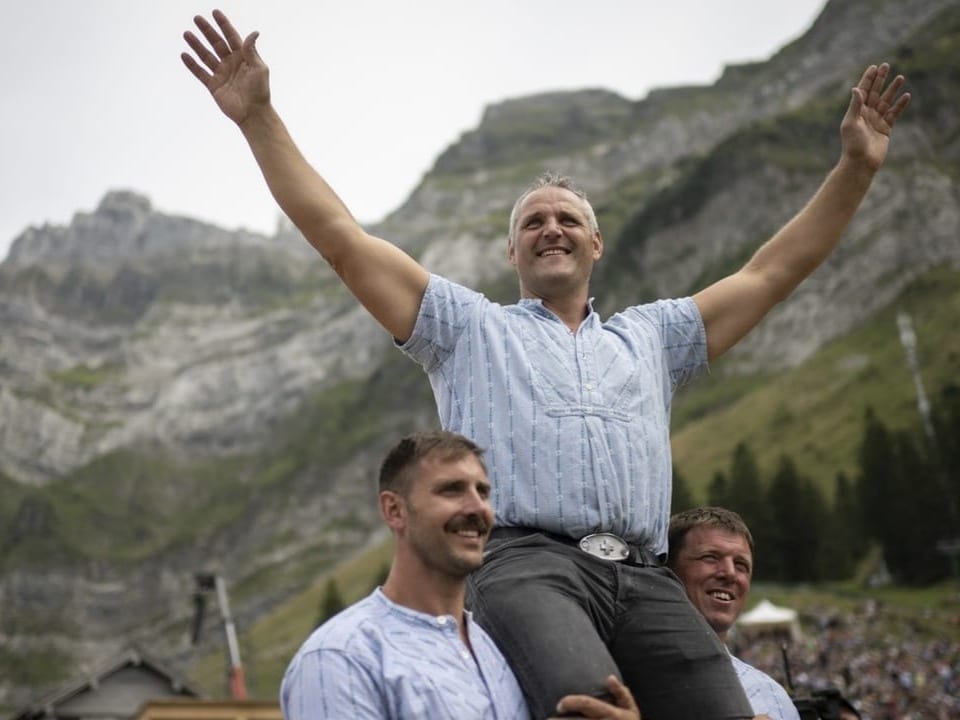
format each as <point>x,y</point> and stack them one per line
<point>681,498</point>
<point>903,502</point>
<point>746,496</point>
<point>946,425</point>
<point>331,603</point>
<point>843,533</point>
<point>718,494</point>
<point>922,517</point>
<point>794,533</point>
<point>814,511</point>
<point>876,481</point>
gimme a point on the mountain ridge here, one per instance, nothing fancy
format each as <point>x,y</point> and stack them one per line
<point>176,396</point>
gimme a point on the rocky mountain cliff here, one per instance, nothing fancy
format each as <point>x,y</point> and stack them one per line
<point>177,397</point>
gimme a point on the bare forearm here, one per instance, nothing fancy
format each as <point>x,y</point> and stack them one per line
<point>731,307</point>
<point>734,305</point>
<point>387,281</point>
<point>302,194</point>
<point>808,239</point>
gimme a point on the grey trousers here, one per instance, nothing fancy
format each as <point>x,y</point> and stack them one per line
<point>565,620</point>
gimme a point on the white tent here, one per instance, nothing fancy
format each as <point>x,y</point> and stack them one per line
<point>767,618</point>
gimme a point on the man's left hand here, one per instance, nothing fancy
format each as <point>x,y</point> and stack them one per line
<point>873,110</point>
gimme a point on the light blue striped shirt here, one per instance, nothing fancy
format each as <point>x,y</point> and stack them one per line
<point>765,694</point>
<point>377,659</point>
<point>575,425</point>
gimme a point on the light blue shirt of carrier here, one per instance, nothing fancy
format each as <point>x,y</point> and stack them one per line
<point>766,695</point>
<point>377,659</point>
<point>575,425</point>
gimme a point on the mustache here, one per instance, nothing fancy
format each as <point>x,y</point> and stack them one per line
<point>469,522</point>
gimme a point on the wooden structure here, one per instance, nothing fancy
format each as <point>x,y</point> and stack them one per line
<point>195,709</point>
<point>115,690</point>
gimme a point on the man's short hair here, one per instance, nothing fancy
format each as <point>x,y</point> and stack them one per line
<point>398,467</point>
<point>552,179</point>
<point>708,516</point>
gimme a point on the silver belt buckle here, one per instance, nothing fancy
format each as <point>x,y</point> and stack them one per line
<point>605,546</point>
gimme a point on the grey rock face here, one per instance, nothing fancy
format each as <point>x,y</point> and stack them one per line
<point>129,328</point>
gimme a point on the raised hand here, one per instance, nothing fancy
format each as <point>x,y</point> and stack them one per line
<point>873,110</point>
<point>234,74</point>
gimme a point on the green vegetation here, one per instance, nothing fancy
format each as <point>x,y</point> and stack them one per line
<point>123,507</point>
<point>331,603</point>
<point>802,142</point>
<point>136,502</point>
<point>631,198</point>
<point>270,643</point>
<point>537,127</point>
<point>253,278</point>
<point>926,614</point>
<point>726,265</point>
<point>32,533</point>
<point>83,377</point>
<point>34,667</point>
<point>929,62</point>
<point>10,494</point>
<point>814,413</point>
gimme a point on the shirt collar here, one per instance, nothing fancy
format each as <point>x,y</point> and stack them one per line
<point>416,615</point>
<point>536,305</point>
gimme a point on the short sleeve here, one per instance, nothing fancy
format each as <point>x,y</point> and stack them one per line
<point>330,685</point>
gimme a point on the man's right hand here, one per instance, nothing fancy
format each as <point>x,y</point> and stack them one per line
<point>235,75</point>
<point>623,706</point>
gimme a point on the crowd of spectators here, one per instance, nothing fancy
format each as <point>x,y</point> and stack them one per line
<point>891,664</point>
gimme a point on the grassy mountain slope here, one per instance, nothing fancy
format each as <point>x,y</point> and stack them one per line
<point>814,412</point>
<point>269,643</point>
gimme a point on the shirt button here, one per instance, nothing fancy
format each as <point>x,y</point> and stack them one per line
<point>589,386</point>
<point>441,620</point>
<point>465,655</point>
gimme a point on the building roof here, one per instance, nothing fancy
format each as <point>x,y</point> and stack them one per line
<point>116,688</point>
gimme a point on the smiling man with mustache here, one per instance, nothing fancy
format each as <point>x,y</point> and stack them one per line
<point>410,649</point>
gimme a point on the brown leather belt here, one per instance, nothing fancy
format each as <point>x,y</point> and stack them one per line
<point>605,546</point>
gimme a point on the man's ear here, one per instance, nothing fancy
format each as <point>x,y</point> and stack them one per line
<point>393,509</point>
<point>511,251</point>
<point>597,246</point>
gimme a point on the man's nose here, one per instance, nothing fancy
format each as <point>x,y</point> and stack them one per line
<point>726,567</point>
<point>477,504</point>
<point>551,228</point>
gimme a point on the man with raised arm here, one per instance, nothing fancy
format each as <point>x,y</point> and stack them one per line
<point>573,410</point>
